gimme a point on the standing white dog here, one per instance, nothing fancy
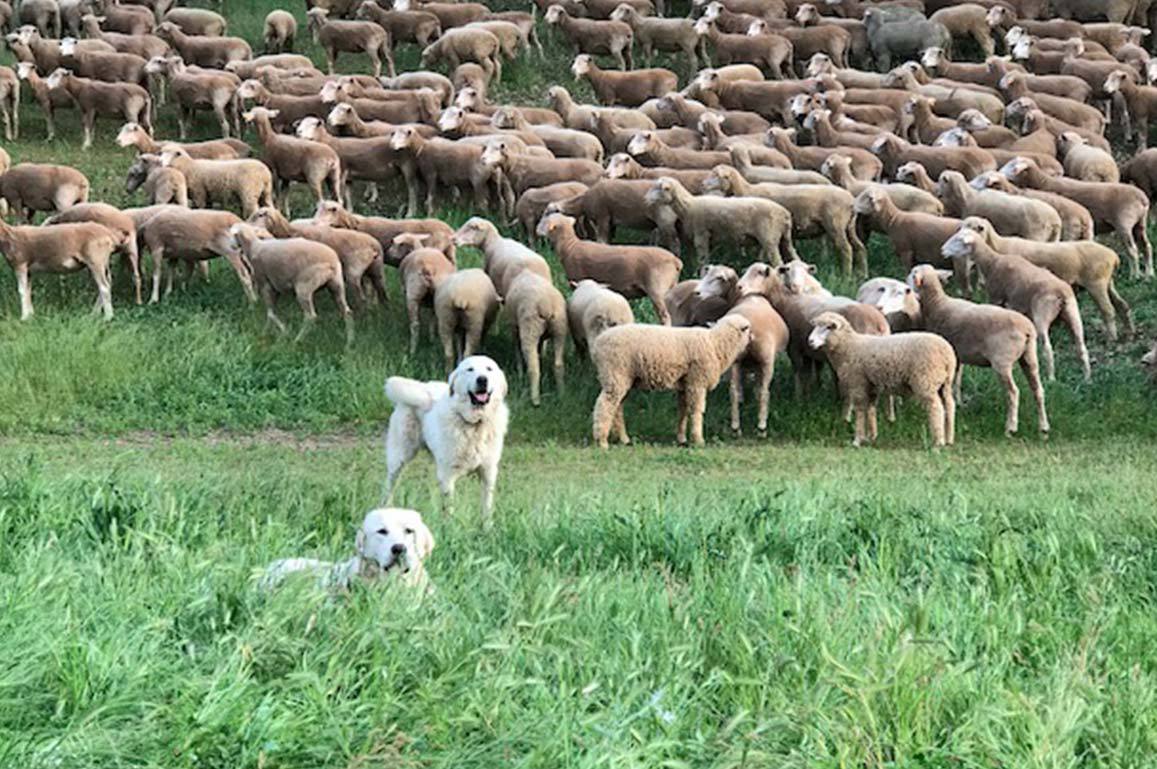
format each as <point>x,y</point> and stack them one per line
<point>462,423</point>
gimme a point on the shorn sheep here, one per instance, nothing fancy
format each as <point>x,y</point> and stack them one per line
<point>538,316</point>
<point>60,248</point>
<point>465,305</point>
<point>917,363</point>
<point>687,360</point>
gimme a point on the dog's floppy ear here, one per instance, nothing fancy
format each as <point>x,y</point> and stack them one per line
<point>450,381</point>
<point>360,542</point>
<point>423,539</point>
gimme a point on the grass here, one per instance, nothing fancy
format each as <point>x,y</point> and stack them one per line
<point>762,602</point>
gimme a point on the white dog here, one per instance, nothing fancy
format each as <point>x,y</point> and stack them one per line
<point>462,423</point>
<point>391,541</point>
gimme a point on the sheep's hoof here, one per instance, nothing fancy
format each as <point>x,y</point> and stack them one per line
<point>736,431</point>
<point>762,432</point>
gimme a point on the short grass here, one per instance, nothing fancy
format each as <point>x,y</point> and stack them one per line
<point>762,602</point>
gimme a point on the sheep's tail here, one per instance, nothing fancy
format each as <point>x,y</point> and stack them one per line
<point>411,393</point>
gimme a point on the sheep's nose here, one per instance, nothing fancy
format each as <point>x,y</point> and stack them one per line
<point>398,549</point>
<point>481,382</point>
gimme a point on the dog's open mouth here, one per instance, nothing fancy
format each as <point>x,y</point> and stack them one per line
<point>479,399</point>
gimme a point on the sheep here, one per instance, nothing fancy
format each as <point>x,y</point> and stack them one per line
<point>613,38</point>
<point>1022,286</point>
<point>592,309</point>
<point>916,363</point>
<point>690,361</point>
<point>689,113</point>
<point>94,98</point>
<point>769,337</point>
<point>60,248</point>
<point>192,89</point>
<point>983,335</point>
<point>504,259</point>
<point>538,315</point>
<point>742,161</point>
<point>102,65</point>
<point>904,37</point>
<point>437,234</point>
<point>415,26</point>
<point>30,187</point>
<point>472,100</point>
<point>518,173</point>
<point>659,34</point>
<point>245,180</point>
<point>337,36</point>
<point>176,233</point>
<point>562,142</point>
<point>134,135</point>
<point>450,14</point>
<point>611,203</point>
<point>371,160</point>
<point>1083,263</point>
<point>865,166</point>
<point>895,299</point>
<point>647,148</point>
<point>1138,100</point>
<point>628,88</point>
<point>1016,85</point>
<point>292,265</point>
<point>145,46</point>
<point>1085,162</point>
<point>824,134</point>
<point>633,271</point>
<point>623,166</point>
<point>294,65</point>
<point>197,21</point>
<point>10,102</point>
<point>968,21</point>
<point>915,237</point>
<point>209,52</point>
<point>1010,214</point>
<point>580,117</point>
<point>1122,207</point>
<point>119,223</point>
<point>700,217</point>
<point>771,53</point>
<point>702,301</point>
<point>280,31</point>
<point>533,203</point>
<point>1032,120</point>
<point>894,152</point>
<point>859,49</point>
<point>1141,171</point>
<point>1076,221</point>
<point>292,159</point>
<point>422,271</point>
<point>838,168</point>
<point>42,14</point>
<point>814,210</point>
<point>444,163</point>
<point>466,45</point>
<point>160,184</point>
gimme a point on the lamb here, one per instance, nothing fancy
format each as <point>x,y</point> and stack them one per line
<point>135,135</point>
<point>539,315</point>
<point>193,89</point>
<point>983,335</point>
<point>659,34</point>
<point>422,270</point>
<point>504,259</point>
<point>245,180</point>
<point>30,187</point>
<point>894,152</point>
<point>633,271</point>
<point>700,217</point>
<point>613,38</point>
<point>1083,263</point>
<point>904,37</point>
<point>1122,207</point>
<point>896,300</point>
<point>592,309</point>
<point>280,31</point>
<point>688,360</point>
<point>814,209</point>
<point>838,168</point>
<point>198,22</point>
<point>176,233</point>
<point>916,363</point>
<point>1034,291</point>
<point>95,98</point>
<point>533,203</point>
<point>292,159</point>
<point>337,36</point>
<point>60,248</point>
<point>208,52</point>
<point>628,88</point>
<point>119,223</point>
<point>916,237</point>
<point>437,234</point>
<point>466,45</point>
<point>1009,214</point>
<point>1084,161</point>
<point>292,265</point>
<point>161,185</point>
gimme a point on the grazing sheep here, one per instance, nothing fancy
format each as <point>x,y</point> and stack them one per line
<point>280,31</point>
<point>296,160</point>
<point>292,265</point>
<point>504,259</point>
<point>633,271</point>
<point>31,187</point>
<point>538,315</point>
<point>613,38</point>
<point>60,248</point>
<point>456,46</point>
<point>1014,282</point>
<point>208,52</point>
<point>983,335</point>
<point>917,363</point>
<point>690,361</point>
<point>245,180</point>
<point>197,21</point>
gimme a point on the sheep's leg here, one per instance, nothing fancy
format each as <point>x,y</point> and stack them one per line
<point>1071,314</point>
<point>697,405</point>
<point>860,428</point>
<point>607,414</point>
<point>949,405</point>
<point>1042,331</point>
<point>88,120</point>
<point>305,301</point>
<point>621,427</point>
<point>134,258</point>
<point>839,238</point>
<point>935,412</point>
<point>49,123</point>
<point>447,332</point>
<point>1143,236</point>
<point>1012,416</point>
<point>183,114</point>
<point>702,242</point>
<point>377,280</point>
<point>683,398</point>
<point>269,296</point>
<point>786,252</point>
<point>24,288</point>
<point>1125,233</point>
<point>100,275</point>
<point>736,392</point>
<point>529,343</point>
<point>244,275</point>
<point>873,428</point>
<point>1122,308</point>
<point>222,119</point>
<point>1100,295</point>
<point>158,270</point>
<point>766,372</point>
<point>558,343</point>
<point>1031,369</point>
<point>958,381</point>
<point>660,306</point>
<point>7,121</point>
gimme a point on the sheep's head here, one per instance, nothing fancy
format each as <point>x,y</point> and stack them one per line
<point>331,212</point>
<point>955,137</point>
<point>582,66</point>
<point>886,144</point>
<point>1149,360</point>
<point>474,232</point>
<point>1067,140</point>
<point>807,14</point>
<point>998,16</point>
<point>757,28</point>
<point>451,119</point>
<point>798,277</point>
<point>467,98</point>
<point>869,201</point>
<point>265,217</point>
<point>961,245</point>
<point>1016,168</point>
<point>251,89</point>
<point>910,173</point>
<point>260,113</point>
<point>800,105</point>
<point>495,153</point>
<point>157,65</point>
<point>172,154</point>
<point>503,118</point>
<point>703,26</point>
<point>707,80</point>
<point>1114,80</point>
<point>554,14</point>
<point>167,30</point>
<point>759,279</point>
<point>720,180</point>
<point>310,128</point>
<point>713,10</point>
<point>819,64</point>
<point>25,70</point>
<point>551,224</point>
<point>129,134</point>
<point>406,243</point>
<point>403,137</point>
<point>932,58</point>
<point>926,276</point>
<point>716,280</point>
<point>886,295</point>
<point>735,323</point>
<point>316,16</point>
<point>619,166</point>
<point>340,115</point>
<point>815,118</point>
<point>138,172</point>
<point>558,96</point>
<point>1014,35</point>
<point>825,327</point>
<point>981,227</point>
<point>836,166</point>
<point>58,78</point>
<point>68,46</point>
<point>1023,49</point>
<point>642,143</point>
<point>662,191</point>
<point>623,12</point>
<point>973,120</point>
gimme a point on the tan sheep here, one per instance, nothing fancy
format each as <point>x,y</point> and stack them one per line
<point>438,234</point>
<point>116,221</point>
<point>703,300</point>
<point>690,361</point>
<point>159,183</point>
<point>895,299</point>
<point>1076,221</point>
<point>94,98</point>
<point>422,271</point>
<point>628,88</point>
<point>280,31</point>
<point>1010,214</point>
<point>593,308</point>
<point>504,259</point>
<point>613,38</point>
<point>538,316</point>
<point>337,35</point>
<point>917,363</point>
<point>533,203</point>
<point>10,102</point>
<point>31,187</point>
<point>197,21</point>
<point>456,46</point>
<point>838,168</point>
<point>983,335</point>
<point>60,248</point>
<point>208,52</point>
<point>292,159</point>
<point>915,237</point>
<point>1084,161</point>
<point>135,135</point>
<point>246,181</point>
<point>769,337</point>
<point>175,233</point>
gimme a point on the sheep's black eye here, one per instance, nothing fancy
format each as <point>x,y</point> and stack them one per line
<point>384,532</point>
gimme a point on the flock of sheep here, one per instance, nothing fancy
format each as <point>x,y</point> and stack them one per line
<point>830,119</point>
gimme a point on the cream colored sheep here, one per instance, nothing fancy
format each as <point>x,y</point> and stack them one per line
<point>769,337</point>
<point>917,363</point>
<point>30,187</point>
<point>280,31</point>
<point>247,181</point>
<point>592,309</point>
<point>538,315</point>
<point>690,361</point>
<point>118,222</point>
<point>1084,161</point>
<point>175,233</point>
<point>422,270</point>
<point>60,248</point>
<point>702,301</point>
<point>465,305</point>
<point>895,299</point>
<point>505,259</point>
<point>1009,214</point>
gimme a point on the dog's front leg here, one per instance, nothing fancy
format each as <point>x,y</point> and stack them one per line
<point>489,473</point>
<point>446,484</point>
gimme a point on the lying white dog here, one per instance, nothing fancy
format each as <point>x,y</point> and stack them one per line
<point>391,541</point>
<point>462,423</point>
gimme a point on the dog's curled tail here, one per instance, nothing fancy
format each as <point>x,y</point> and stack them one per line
<point>413,394</point>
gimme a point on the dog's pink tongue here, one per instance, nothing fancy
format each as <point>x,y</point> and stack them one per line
<point>482,397</point>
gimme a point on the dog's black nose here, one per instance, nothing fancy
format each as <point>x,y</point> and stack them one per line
<point>481,383</point>
<point>398,549</point>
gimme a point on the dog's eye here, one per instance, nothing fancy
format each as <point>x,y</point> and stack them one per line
<point>409,531</point>
<point>384,532</point>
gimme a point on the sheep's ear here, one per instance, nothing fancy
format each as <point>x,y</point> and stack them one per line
<point>703,271</point>
<point>944,275</point>
<point>811,268</point>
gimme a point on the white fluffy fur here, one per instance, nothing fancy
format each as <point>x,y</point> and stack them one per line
<point>461,423</point>
<point>391,540</point>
